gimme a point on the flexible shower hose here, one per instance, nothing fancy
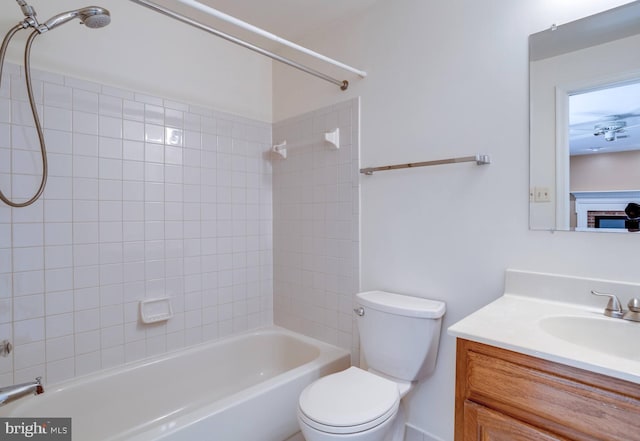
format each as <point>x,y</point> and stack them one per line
<point>34,112</point>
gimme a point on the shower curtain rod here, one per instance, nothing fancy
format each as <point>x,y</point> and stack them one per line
<point>343,84</point>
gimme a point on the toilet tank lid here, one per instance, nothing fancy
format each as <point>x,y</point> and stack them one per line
<point>401,304</point>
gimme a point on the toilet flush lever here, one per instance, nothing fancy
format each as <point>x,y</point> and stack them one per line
<point>359,311</point>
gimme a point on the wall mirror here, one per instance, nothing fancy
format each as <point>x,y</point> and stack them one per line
<point>585,124</point>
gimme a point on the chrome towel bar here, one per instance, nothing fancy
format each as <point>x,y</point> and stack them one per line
<point>478,159</point>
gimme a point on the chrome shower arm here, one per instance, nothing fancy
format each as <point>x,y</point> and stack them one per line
<point>30,13</point>
<point>27,9</point>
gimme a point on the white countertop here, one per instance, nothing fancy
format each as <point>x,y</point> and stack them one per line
<point>513,322</point>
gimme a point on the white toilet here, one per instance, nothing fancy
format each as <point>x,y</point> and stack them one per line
<point>399,336</point>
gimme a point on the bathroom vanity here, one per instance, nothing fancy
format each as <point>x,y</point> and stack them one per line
<point>543,363</point>
<point>506,395</point>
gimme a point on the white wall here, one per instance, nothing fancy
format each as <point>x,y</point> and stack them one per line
<point>450,78</point>
<point>145,51</point>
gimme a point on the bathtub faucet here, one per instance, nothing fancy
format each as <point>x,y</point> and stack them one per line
<point>12,393</point>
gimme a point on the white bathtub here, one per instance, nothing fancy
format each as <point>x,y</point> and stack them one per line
<point>242,388</point>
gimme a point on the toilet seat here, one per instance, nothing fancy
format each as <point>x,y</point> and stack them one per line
<point>350,401</point>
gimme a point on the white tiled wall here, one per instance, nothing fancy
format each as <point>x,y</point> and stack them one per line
<point>146,198</point>
<point>316,229</point>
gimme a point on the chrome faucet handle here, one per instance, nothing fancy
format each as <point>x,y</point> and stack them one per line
<point>633,313</point>
<point>614,308</point>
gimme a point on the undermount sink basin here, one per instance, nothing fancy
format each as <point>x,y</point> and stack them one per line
<point>610,336</point>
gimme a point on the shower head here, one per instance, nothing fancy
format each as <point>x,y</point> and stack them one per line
<point>91,16</point>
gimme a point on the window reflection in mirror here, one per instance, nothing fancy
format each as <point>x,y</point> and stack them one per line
<point>572,67</point>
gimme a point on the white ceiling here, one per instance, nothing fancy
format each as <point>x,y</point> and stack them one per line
<point>290,19</point>
<point>605,107</point>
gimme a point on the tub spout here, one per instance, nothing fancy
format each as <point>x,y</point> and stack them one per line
<point>12,393</point>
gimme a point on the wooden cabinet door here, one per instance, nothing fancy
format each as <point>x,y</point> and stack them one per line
<point>484,424</point>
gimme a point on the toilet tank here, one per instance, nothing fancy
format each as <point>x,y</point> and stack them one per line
<point>399,334</point>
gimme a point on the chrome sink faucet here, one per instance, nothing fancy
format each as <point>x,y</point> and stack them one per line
<point>614,307</point>
<point>12,393</point>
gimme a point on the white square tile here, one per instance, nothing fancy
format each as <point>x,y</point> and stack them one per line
<point>110,168</point>
<point>87,363</point>
<point>111,106</point>
<point>86,342</point>
<point>111,274</point>
<point>29,355</point>
<point>60,165</point>
<point>59,279</point>
<point>28,259</point>
<point>85,123</point>
<point>112,294</point>
<point>154,153</point>
<point>87,320</point>
<point>85,167</point>
<point>111,315</point>
<point>59,141</point>
<point>133,191</point>
<point>154,172</point>
<point>173,118</point>
<point>133,130</point>
<point>59,303</point>
<point>85,145</point>
<point>86,298</point>
<point>85,101</point>
<point>58,256</point>
<point>28,235</point>
<point>110,147</point>
<point>86,277</point>
<point>56,118</point>
<point>112,336</point>
<point>133,110</point>
<point>59,326</point>
<point>27,162</point>
<point>60,370</point>
<point>174,137</point>
<point>154,133</point>
<point>58,233</point>
<point>28,307</point>
<point>110,190</point>
<point>133,150</point>
<point>110,211</point>
<point>133,251</point>
<point>154,114</point>
<point>5,110</point>
<point>57,96</point>
<point>110,232</point>
<point>28,331</point>
<point>86,188</point>
<point>154,192</point>
<point>133,170</point>
<point>110,127</point>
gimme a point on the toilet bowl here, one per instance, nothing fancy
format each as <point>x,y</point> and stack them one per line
<point>399,338</point>
<point>352,405</point>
